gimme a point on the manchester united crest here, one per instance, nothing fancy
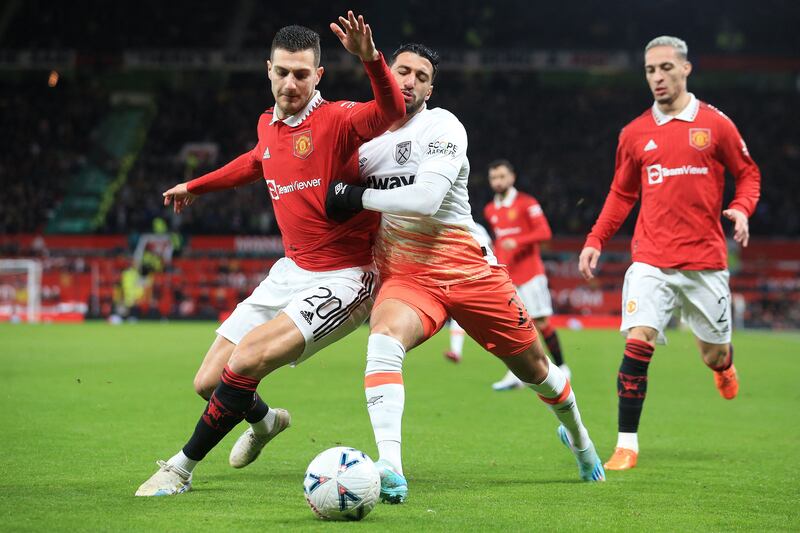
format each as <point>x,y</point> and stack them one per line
<point>402,152</point>
<point>700,138</point>
<point>631,306</point>
<point>302,144</point>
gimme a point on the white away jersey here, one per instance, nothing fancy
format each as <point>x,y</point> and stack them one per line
<point>445,248</point>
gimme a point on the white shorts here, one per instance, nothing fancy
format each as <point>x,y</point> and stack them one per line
<point>536,296</point>
<point>650,295</point>
<point>325,306</point>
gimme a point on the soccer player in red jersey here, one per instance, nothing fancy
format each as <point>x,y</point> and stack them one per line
<point>519,225</point>
<point>323,289</point>
<point>433,264</point>
<point>674,156</point>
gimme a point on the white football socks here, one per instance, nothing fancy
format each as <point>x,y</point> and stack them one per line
<point>182,462</point>
<point>557,393</point>
<point>265,425</point>
<point>456,338</point>
<point>629,441</point>
<point>385,394</point>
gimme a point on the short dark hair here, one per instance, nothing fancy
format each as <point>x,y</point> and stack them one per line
<point>296,38</point>
<point>422,51</point>
<point>502,163</point>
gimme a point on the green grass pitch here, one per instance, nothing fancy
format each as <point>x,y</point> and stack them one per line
<point>87,409</point>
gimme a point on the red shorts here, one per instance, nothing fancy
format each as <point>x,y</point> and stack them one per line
<point>488,309</point>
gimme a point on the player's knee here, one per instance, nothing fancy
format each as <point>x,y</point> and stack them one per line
<point>396,331</point>
<point>204,386</point>
<point>260,358</point>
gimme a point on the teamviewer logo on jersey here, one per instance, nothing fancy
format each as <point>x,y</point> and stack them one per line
<point>273,189</point>
<point>654,174</point>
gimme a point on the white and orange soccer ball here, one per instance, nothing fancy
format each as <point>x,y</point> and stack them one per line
<point>342,484</point>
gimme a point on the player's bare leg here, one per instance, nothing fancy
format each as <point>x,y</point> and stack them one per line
<point>546,332</point>
<point>394,328</point>
<point>551,340</point>
<point>719,358</point>
<point>263,350</point>
<point>210,371</point>
<point>551,384</point>
<point>632,390</point>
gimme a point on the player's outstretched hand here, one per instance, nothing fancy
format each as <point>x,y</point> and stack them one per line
<point>179,196</point>
<point>587,262</point>
<point>343,200</point>
<point>741,228</point>
<point>356,36</point>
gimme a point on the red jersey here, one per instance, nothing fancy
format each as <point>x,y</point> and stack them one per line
<point>518,216</point>
<point>677,164</point>
<point>299,156</point>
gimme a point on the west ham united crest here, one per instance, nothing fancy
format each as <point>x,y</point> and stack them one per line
<point>402,152</point>
<point>302,144</point>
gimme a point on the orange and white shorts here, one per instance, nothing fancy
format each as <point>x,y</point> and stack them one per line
<point>488,309</point>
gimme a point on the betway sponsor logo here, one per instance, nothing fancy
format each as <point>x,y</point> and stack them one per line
<point>389,182</point>
<point>657,173</point>
<point>275,190</point>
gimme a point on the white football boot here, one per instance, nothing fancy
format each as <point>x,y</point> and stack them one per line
<point>169,480</point>
<point>249,445</point>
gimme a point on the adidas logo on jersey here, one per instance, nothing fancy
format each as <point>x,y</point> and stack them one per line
<point>651,145</point>
<point>266,153</point>
<point>307,315</point>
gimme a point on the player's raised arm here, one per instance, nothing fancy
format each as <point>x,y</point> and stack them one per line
<point>374,118</point>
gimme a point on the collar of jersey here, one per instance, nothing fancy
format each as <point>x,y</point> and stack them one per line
<point>508,200</point>
<point>295,120</point>
<point>687,115</point>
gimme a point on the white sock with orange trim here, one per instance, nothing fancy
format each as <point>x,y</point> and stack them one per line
<point>383,388</point>
<point>456,338</point>
<point>556,391</point>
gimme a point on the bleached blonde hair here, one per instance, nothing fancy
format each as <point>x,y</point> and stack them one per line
<point>667,40</point>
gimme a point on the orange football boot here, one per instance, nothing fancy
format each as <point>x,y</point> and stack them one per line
<point>622,459</point>
<point>727,382</point>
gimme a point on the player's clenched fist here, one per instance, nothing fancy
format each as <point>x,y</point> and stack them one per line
<point>343,200</point>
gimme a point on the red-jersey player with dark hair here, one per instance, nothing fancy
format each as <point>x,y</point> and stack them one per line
<point>519,225</point>
<point>323,289</point>
<point>674,156</point>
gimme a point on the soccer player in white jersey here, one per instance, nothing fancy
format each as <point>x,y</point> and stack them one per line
<point>432,267</point>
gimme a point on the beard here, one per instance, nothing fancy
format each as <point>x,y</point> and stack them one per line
<point>414,106</point>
